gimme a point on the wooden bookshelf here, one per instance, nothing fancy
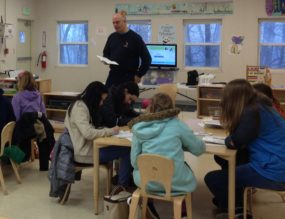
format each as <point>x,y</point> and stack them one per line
<point>279,94</point>
<point>9,85</point>
<point>208,100</point>
<point>57,103</point>
<point>210,96</point>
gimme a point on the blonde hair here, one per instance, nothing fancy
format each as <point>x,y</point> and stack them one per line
<point>160,102</point>
<point>26,81</point>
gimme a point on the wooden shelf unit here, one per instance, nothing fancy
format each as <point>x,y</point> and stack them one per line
<point>9,86</point>
<point>57,103</point>
<point>208,96</point>
<point>279,94</point>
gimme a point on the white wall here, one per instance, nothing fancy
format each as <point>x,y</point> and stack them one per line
<point>244,21</point>
<point>12,10</point>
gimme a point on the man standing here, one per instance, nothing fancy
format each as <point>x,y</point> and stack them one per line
<point>129,50</point>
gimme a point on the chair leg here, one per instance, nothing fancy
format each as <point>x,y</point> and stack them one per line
<point>188,203</point>
<point>66,194</point>
<point>134,204</point>
<point>2,183</point>
<point>144,205</point>
<point>177,206</point>
<point>15,168</point>
<point>247,201</point>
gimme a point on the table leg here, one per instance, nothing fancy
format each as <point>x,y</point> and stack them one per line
<point>231,184</point>
<point>232,178</point>
<point>96,178</point>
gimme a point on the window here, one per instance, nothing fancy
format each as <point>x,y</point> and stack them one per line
<point>202,43</point>
<point>73,43</point>
<point>143,28</point>
<point>22,37</point>
<point>272,43</point>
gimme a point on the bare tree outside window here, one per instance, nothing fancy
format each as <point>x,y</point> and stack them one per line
<point>143,28</point>
<point>73,43</point>
<point>202,44</point>
<point>272,44</point>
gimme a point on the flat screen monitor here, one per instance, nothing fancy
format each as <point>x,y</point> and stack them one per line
<point>163,55</point>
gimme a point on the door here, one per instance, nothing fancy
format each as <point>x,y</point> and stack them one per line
<point>23,49</point>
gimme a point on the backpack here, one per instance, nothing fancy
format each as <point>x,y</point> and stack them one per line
<point>192,77</point>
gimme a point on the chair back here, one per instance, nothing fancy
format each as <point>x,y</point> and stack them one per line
<point>156,168</point>
<point>6,135</point>
<point>170,89</point>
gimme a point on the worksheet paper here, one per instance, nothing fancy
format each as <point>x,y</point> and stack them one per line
<point>124,134</point>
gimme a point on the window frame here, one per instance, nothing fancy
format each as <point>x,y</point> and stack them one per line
<point>138,22</point>
<point>202,21</point>
<point>267,44</point>
<point>59,43</point>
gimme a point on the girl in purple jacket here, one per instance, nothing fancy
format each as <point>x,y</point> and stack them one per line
<point>28,99</point>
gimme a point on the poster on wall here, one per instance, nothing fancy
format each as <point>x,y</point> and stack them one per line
<point>236,46</point>
<point>166,34</point>
<point>258,74</point>
<point>193,8</point>
<point>275,7</point>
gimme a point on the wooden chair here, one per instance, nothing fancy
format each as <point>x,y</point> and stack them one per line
<point>248,196</point>
<point>80,167</point>
<point>6,139</point>
<point>156,168</point>
<point>170,89</point>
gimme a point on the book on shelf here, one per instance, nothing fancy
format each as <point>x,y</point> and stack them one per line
<point>107,61</point>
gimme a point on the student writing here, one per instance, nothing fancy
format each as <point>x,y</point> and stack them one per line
<point>251,122</point>
<point>160,132</point>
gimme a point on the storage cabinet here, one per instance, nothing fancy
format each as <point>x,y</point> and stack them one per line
<point>57,103</point>
<point>208,100</point>
<point>209,96</point>
<point>279,94</point>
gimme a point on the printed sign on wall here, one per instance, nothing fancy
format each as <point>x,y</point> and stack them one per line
<point>166,34</point>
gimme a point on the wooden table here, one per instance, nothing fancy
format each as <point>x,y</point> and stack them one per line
<point>219,150</point>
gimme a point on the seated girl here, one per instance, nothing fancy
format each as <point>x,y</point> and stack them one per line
<point>6,111</point>
<point>31,122</point>
<point>252,123</point>
<point>266,90</point>
<point>159,131</point>
<point>118,106</point>
<point>84,123</point>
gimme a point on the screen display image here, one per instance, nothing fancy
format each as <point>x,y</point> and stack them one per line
<point>163,55</point>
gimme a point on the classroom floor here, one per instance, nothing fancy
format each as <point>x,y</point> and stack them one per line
<point>30,200</point>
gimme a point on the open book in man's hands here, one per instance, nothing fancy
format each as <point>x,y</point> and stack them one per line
<point>107,61</point>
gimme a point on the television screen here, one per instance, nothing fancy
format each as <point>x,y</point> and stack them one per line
<point>163,55</point>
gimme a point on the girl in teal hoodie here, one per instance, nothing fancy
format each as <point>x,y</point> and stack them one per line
<point>159,131</point>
